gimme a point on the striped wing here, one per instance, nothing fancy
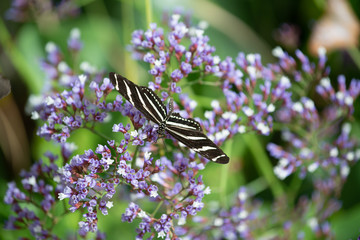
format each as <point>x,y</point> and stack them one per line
<point>175,120</point>
<point>188,132</point>
<point>142,98</point>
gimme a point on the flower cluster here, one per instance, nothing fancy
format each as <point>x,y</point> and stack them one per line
<point>335,151</point>
<point>24,10</point>
<point>66,111</point>
<point>243,220</point>
<point>91,179</point>
<point>247,218</point>
<point>162,225</point>
<point>36,186</point>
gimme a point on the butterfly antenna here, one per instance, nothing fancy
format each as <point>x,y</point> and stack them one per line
<point>171,108</point>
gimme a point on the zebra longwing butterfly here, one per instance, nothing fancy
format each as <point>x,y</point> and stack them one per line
<point>185,130</point>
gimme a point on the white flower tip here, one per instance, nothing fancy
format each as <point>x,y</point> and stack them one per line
<point>242,227</point>
<point>248,111</point>
<point>242,195</point>
<point>278,52</point>
<point>134,133</point>
<point>298,107</point>
<point>251,71</point>
<point>350,156</point>
<point>75,33</point>
<point>50,47</point>
<point>181,221</point>
<point>35,115</point>
<point>142,214</point>
<point>61,196</point>
<point>321,51</point>
<point>203,24</point>
<point>344,171</point>
<point>285,81</point>
<point>161,234</point>
<point>270,108</point>
<point>312,167</point>
<point>216,60</point>
<point>109,204</point>
<point>157,63</point>
<point>242,129</point>
<point>193,104</point>
<point>251,58</point>
<point>208,114</point>
<point>49,100</point>
<point>175,17</point>
<point>147,155</point>
<point>243,214</point>
<point>229,116</point>
<point>153,194</point>
<point>334,152</point>
<point>264,129</point>
<point>63,66</point>
<point>57,179</point>
<point>109,161</point>
<point>86,67</point>
<point>218,222</point>
<point>82,78</point>
<point>313,222</point>
<point>35,100</point>
<point>207,190</point>
<point>325,82</point>
<point>309,104</point>
<point>349,100</point>
<point>32,180</point>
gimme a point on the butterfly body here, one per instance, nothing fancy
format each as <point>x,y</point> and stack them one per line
<point>185,130</point>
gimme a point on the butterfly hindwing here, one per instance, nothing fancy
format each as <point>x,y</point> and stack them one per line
<point>186,123</point>
<point>198,142</point>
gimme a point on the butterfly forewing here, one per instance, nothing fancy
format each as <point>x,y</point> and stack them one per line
<point>142,98</point>
<point>185,130</point>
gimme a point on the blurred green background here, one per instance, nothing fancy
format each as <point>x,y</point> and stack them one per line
<point>250,26</point>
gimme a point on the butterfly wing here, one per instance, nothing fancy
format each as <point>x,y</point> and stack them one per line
<point>142,98</point>
<point>188,132</point>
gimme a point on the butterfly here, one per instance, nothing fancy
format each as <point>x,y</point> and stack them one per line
<point>185,130</point>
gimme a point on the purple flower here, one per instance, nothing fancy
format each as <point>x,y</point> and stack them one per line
<point>176,75</point>
<point>74,43</point>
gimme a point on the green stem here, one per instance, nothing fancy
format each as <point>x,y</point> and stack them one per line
<point>127,16</point>
<point>257,186</point>
<point>263,164</point>
<point>97,133</point>
<point>157,208</point>
<point>294,128</point>
<point>295,185</point>
<point>19,61</point>
<point>223,184</point>
<point>134,157</point>
<point>148,9</point>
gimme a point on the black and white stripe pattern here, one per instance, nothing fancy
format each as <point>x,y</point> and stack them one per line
<point>185,130</point>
